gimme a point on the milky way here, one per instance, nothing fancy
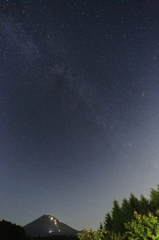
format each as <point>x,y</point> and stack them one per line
<point>79,101</point>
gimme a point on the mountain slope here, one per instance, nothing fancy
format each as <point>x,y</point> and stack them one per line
<point>48,225</point>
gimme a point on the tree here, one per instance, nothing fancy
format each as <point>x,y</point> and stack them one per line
<point>134,202</point>
<point>154,199</point>
<point>89,234</point>
<point>101,226</point>
<point>100,234</point>
<point>144,205</point>
<point>143,227</point>
<point>86,234</point>
<point>9,231</point>
<point>108,222</point>
<point>116,217</point>
<point>127,214</point>
<point>115,221</point>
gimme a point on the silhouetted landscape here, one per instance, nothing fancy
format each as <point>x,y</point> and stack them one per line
<point>48,225</point>
<point>133,219</point>
<point>45,227</point>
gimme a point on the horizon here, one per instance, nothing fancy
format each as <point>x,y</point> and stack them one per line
<point>79,107</point>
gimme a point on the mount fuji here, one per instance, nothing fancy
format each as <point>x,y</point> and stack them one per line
<point>48,225</point>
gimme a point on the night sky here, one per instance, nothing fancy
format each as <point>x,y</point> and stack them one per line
<point>79,122</point>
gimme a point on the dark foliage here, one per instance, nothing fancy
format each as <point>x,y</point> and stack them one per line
<point>55,237</point>
<point>115,221</point>
<point>10,231</point>
<point>116,217</point>
<point>108,222</point>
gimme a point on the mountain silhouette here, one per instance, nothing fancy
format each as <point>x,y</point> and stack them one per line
<point>48,225</point>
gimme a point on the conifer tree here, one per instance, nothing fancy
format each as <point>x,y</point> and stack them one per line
<point>100,226</point>
<point>144,205</point>
<point>116,217</point>
<point>116,221</point>
<point>108,222</point>
<point>134,202</point>
<point>127,214</point>
<point>154,199</point>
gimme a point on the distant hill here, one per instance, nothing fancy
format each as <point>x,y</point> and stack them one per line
<point>10,231</point>
<point>48,225</point>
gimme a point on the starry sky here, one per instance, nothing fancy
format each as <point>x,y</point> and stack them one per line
<point>79,122</point>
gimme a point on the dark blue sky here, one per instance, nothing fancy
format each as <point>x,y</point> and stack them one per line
<point>79,123</point>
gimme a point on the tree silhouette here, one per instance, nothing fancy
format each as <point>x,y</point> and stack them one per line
<point>144,205</point>
<point>9,231</point>
<point>108,222</point>
<point>134,202</point>
<point>154,199</point>
<point>116,217</point>
<point>127,213</point>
